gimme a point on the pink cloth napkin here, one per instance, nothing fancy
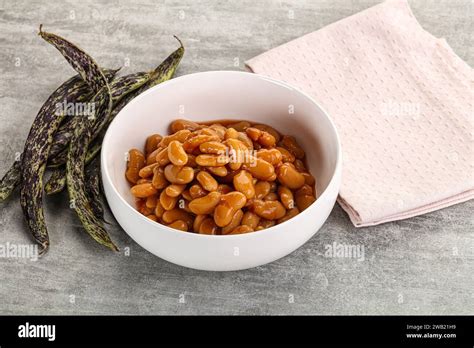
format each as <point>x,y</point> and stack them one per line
<point>402,102</point>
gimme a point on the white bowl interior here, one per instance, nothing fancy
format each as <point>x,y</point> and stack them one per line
<point>222,96</point>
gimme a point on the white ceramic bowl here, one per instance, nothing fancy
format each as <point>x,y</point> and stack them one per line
<point>218,95</point>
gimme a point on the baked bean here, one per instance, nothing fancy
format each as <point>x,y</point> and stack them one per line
<point>194,142</point>
<point>304,201</point>
<point>250,219</point>
<point>162,157</point>
<point>146,211</point>
<point>289,143</point>
<point>219,129</point>
<point>152,143</point>
<point>151,157</point>
<point>206,204</point>
<point>262,188</point>
<point>272,156</point>
<point>240,126</point>
<point>266,139</point>
<point>286,155</point>
<point>178,125</point>
<point>143,181</point>
<point>260,168</point>
<point>179,225</point>
<point>253,133</point>
<point>243,182</point>
<point>159,210</point>
<point>270,210</point>
<point>208,226</point>
<point>270,130</point>
<point>289,176</point>
<point>229,204</point>
<point>212,160</point>
<point>186,195</point>
<point>198,221</point>
<point>304,197</point>
<point>246,140</point>
<point>180,136</point>
<point>136,161</point>
<point>235,222</point>
<point>178,174</point>
<point>174,190</point>
<point>207,181</point>
<point>231,133</point>
<point>273,177</point>
<point>151,201</point>
<point>209,131</point>
<point>262,137</point>
<point>272,196</point>
<point>143,190</point>
<point>167,202</point>
<point>235,199</point>
<point>142,208</point>
<point>220,178</point>
<point>238,152</point>
<point>159,180</point>
<point>176,153</point>
<point>241,229</point>
<point>309,179</point>
<point>172,215</point>
<point>286,197</point>
<point>218,171</point>
<point>147,171</point>
<point>197,191</point>
<point>305,190</point>
<point>213,147</point>
<point>299,165</point>
<point>223,214</point>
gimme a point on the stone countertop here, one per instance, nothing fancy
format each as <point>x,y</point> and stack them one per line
<point>422,265</point>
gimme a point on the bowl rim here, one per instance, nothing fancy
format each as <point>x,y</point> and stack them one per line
<point>334,178</point>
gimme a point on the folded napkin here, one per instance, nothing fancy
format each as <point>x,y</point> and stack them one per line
<point>402,102</point>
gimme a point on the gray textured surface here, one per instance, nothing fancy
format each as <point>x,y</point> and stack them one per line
<point>423,265</point>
